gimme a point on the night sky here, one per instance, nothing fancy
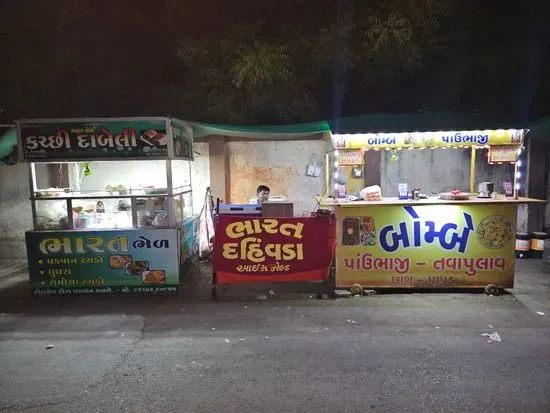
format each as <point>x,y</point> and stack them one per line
<point>285,61</point>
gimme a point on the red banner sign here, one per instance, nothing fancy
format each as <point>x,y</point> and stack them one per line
<point>253,250</point>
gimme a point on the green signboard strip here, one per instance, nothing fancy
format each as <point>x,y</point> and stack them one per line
<point>94,140</point>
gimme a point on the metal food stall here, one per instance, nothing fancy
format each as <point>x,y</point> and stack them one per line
<point>290,254</point>
<point>453,239</point>
<point>111,203</point>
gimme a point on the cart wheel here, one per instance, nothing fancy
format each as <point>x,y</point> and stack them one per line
<point>492,289</point>
<point>332,295</point>
<point>319,296</point>
<point>214,293</point>
<point>356,289</point>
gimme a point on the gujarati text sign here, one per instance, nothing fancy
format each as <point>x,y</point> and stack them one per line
<point>503,154</point>
<point>427,139</point>
<point>273,249</point>
<point>426,245</point>
<point>77,262</point>
<point>94,140</point>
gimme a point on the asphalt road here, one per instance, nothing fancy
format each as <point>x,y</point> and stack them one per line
<point>383,353</point>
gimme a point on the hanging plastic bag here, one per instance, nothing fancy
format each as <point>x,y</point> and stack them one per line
<point>340,176</point>
<point>313,168</point>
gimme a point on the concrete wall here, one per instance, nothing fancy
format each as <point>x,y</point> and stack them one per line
<point>536,170</point>
<point>281,165</point>
<point>15,210</point>
<point>43,176</point>
<point>439,170</point>
<point>442,170</point>
<point>200,178</point>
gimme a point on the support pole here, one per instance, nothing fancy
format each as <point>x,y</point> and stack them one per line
<point>473,170</point>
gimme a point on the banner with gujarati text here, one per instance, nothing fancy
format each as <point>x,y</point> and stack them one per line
<point>351,157</point>
<point>503,154</point>
<point>428,139</point>
<point>84,262</point>
<point>255,250</point>
<point>426,246</point>
<point>139,138</point>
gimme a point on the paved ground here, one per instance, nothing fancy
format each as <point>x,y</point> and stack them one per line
<point>382,353</point>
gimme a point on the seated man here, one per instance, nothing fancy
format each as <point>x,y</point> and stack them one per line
<point>263,194</point>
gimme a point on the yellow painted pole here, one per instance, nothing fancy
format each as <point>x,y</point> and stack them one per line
<point>473,170</point>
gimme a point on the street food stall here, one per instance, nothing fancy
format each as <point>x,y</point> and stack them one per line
<point>111,204</point>
<point>253,250</point>
<point>454,239</point>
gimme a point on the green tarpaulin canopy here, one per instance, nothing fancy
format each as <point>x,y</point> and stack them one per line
<point>276,132</point>
<point>8,143</point>
<point>373,123</point>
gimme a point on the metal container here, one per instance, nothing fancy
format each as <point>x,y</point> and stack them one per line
<point>537,244</point>
<point>485,189</point>
<point>523,243</point>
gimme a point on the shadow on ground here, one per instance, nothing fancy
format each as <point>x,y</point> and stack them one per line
<point>195,291</point>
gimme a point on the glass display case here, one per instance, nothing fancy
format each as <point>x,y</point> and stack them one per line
<point>110,195</point>
<point>111,204</point>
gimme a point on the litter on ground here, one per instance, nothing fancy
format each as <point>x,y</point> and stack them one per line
<point>492,336</point>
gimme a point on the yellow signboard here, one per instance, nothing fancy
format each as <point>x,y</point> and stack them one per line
<point>351,157</point>
<point>503,154</point>
<point>428,139</point>
<point>425,246</point>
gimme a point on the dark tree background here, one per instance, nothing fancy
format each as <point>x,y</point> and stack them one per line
<point>250,61</point>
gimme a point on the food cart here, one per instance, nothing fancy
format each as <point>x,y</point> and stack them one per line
<point>448,240</point>
<point>290,254</point>
<point>111,204</point>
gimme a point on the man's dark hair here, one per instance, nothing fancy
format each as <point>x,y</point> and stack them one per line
<point>262,188</point>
